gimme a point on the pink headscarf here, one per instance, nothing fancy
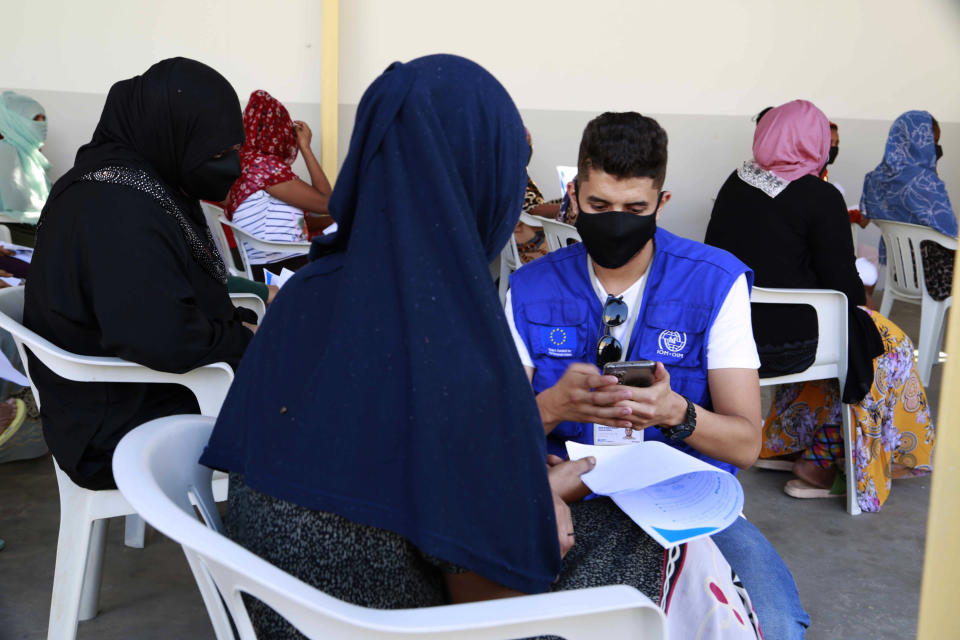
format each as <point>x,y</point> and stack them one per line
<point>792,140</point>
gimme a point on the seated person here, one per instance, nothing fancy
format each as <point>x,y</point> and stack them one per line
<point>905,187</point>
<point>24,184</point>
<point>269,201</point>
<point>125,265</point>
<point>531,242</point>
<point>792,229</point>
<point>649,294</point>
<point>449,497</point>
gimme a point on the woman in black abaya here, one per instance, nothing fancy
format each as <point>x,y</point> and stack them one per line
<point>125,265</point>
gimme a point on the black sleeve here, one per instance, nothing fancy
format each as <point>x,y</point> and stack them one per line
<point>831,243</point>
<point>138,282</point>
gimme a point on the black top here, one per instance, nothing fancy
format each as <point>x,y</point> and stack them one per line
<point>107,283</point>
<point>799,239</point>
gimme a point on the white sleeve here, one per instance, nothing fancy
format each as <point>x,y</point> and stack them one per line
<point>517,340</point>
<point>730,344</point>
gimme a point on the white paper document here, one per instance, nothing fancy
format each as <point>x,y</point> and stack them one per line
<point>19,252</point>
<point>278,280</point>
<point>9,372</point>
<point>566,175</point>
<point>672,496</point>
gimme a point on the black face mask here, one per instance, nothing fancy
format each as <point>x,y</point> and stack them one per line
<point>833,154</point>
<point>939,151</point>
<point>212,179</point>
<point>612,238</point>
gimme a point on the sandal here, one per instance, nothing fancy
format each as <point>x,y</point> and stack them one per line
<point>802,489</point>
<point>773,464</point>
<point>13,411</point>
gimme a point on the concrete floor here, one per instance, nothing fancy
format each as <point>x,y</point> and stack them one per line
<point>859,577</point>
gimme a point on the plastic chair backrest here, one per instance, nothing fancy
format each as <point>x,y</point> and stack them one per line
<point>155,470</point>
<point>509,262</point>
<point>831,307</point>
<point>245,238</point>
<point>904,266</point>
<point>208,383</point>
<point>212,214</point>
<point>559,234</point>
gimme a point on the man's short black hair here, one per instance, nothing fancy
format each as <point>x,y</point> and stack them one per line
<point>625,145</point>
<point>762,113</point>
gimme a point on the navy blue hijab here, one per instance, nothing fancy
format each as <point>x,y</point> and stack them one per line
<point>383,384</point>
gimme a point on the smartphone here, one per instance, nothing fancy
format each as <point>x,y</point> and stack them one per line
<point>638,373</point>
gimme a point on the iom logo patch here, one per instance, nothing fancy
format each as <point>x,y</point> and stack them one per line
<point>671,343</point>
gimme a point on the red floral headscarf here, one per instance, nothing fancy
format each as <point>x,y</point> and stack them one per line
<point>269,150</point>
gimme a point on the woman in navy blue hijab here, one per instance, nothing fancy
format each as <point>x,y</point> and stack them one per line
<point>381,430</point>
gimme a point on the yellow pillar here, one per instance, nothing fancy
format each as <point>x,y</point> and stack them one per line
<point>329,97</point>
<point>938,598</point>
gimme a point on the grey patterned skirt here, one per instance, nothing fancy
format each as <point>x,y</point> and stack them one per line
<point>380,569</point>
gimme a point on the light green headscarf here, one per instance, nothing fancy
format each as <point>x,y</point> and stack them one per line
<point>24,185</point>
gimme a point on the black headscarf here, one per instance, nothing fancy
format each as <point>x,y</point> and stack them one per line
<point>154,129</point>
<point>384,385</point>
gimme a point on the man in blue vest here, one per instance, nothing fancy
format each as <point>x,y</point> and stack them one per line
<point>631,291</point>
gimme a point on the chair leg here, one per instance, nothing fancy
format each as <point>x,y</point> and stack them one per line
<point>849,444</point>
<point>887,303</point>
<point>93,573</point>
<point>134,531</point>
<point>932,315</point>
<point>73,544</point>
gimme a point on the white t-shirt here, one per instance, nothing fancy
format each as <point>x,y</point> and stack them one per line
<point>268,218</point>
<point>730,343</point>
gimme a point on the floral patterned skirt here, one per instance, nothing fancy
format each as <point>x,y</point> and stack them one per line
<point>892,423</point>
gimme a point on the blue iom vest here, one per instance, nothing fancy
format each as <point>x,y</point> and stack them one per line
<point>558,316</point>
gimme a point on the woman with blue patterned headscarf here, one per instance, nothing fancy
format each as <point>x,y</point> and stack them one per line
<point>24,185</point>
<point>905,187</point>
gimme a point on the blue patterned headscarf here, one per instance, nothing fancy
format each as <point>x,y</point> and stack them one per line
<point>905,186</point>
<point>24,185</point>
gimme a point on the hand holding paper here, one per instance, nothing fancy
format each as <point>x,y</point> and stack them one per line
<point>672,496</point>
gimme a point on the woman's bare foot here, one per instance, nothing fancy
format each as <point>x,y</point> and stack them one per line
<point>8,413</point>
<point>814,474</point>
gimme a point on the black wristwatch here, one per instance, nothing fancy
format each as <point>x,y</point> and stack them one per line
<point>685,429</point>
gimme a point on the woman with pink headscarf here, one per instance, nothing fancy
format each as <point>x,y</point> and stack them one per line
<point>792,229</point>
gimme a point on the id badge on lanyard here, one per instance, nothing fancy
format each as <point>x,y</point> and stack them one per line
<point>615,436</point>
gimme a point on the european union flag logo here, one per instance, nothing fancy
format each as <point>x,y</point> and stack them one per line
<point>560,342</point>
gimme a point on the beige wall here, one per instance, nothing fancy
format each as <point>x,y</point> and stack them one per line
<point>85,46</point>
<point>701,67</point>
<point>868,59</point>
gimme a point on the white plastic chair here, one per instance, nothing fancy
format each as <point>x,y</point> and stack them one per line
<point>246,239</point>
<point>510,256</point>
<point>5,234</point>
<point>212,214</point>
<point>905,281</point>
<point>155,469</point>
<point>559,233</point>
<point>249,301</point>
<point>83,513</point>
<point>829,362</point>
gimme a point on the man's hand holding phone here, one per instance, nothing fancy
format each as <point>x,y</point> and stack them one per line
<point>656,404</point>
<point>582,394</point>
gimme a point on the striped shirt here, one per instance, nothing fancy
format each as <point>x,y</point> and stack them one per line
<point>264,217</point>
